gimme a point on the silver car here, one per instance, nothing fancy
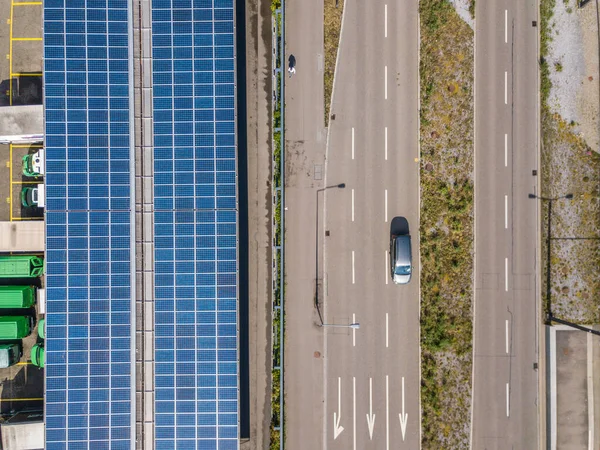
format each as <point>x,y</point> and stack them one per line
<point>400,258</point>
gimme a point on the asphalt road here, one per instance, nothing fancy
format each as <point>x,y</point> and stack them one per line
<point>305,154</point>
<point>505,410</point>
<point>372,374</point>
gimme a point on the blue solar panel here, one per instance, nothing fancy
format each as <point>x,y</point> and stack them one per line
<point>195,225</point>
<point>89,320</point>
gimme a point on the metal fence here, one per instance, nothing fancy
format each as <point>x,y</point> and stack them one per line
<point>277,221</point>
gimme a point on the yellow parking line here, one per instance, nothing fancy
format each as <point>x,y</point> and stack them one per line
<point>27,218</point>
<point>26,145</point>
<point>10,152</point>
<point>26,182</point>
<point>26,3</point>
<point>22,399</point>
<point>32,74</point>
<point>10,48</point>
<point>26,39</point>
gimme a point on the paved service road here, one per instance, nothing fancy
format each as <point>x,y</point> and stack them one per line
<point>372,374</point>
<point>305,147</point>
<point>505,412</point>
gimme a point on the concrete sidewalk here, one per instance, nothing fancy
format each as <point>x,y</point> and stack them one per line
<point>573,393</point>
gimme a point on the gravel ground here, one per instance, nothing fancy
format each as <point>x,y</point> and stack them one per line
<point>462,8</point>
<point>569,164</point>
<point>566,60</point>
<point>573,62</point>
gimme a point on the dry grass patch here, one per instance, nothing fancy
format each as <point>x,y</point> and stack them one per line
<point>446,225</point>
<point>332,27</point>
<point>568,166</point>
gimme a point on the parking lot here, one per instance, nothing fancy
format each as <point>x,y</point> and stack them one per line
<point>20,84</point>
<point>21,385</point>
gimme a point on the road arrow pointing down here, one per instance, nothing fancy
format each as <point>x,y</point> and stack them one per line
<point>371,416</point>
<point>337,429</point>
<point>403,416</point>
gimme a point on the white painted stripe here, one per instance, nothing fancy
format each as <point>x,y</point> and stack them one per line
<point>505,88</point>
<point>386,209</point>
<point>385,83</point>
<point>507,400</point>
<point>352,205</point>
<point>387,413</point>
<point>506,211</point>
<point>352,142</point>
<point>386,143</point>
<point>387,258</point>
<point>387,324</point>
<point>506,26</point>
<point>354,409</point>
<point>506,323</point>
<point>353,277</point>
<point>506,274</point>
<point>385,22</point>
<point>505,150</point>
<point>353,331</point>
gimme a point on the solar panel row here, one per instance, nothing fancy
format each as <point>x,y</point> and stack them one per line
<point>89,371</point>
<point>195,225</point>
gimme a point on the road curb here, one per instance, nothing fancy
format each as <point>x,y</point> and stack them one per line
<point>325,163</point>
<point>474,281</point>
<point>419,217</point>
<point>541,348</point>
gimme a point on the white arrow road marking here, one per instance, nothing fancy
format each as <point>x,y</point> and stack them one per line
<point>371,416</point>
<point>403,415</point>
<point>337,429</point>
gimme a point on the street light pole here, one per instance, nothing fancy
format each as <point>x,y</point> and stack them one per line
<point>354,326</point>
<point>337,186</point>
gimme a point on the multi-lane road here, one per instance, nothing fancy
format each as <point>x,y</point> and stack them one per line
<point>365,381</point>
<point>505,402</point>
<point>349,388</point>
<point>372,374</point>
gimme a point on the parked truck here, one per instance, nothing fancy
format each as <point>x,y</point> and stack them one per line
<point>17,296</point>
<point>33,196</point>
<point>10,354</point>
<point>21,266</point>
<point>34,164</point>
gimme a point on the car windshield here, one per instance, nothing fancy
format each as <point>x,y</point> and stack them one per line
<point>402,270</point>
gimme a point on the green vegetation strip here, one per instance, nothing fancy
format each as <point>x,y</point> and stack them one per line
<point>332,27</point>
<point>276,419</point>
<point>446,70</point>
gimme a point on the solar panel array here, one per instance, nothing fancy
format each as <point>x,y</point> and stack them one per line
<point>195,225</point>
<point>89,345</point>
